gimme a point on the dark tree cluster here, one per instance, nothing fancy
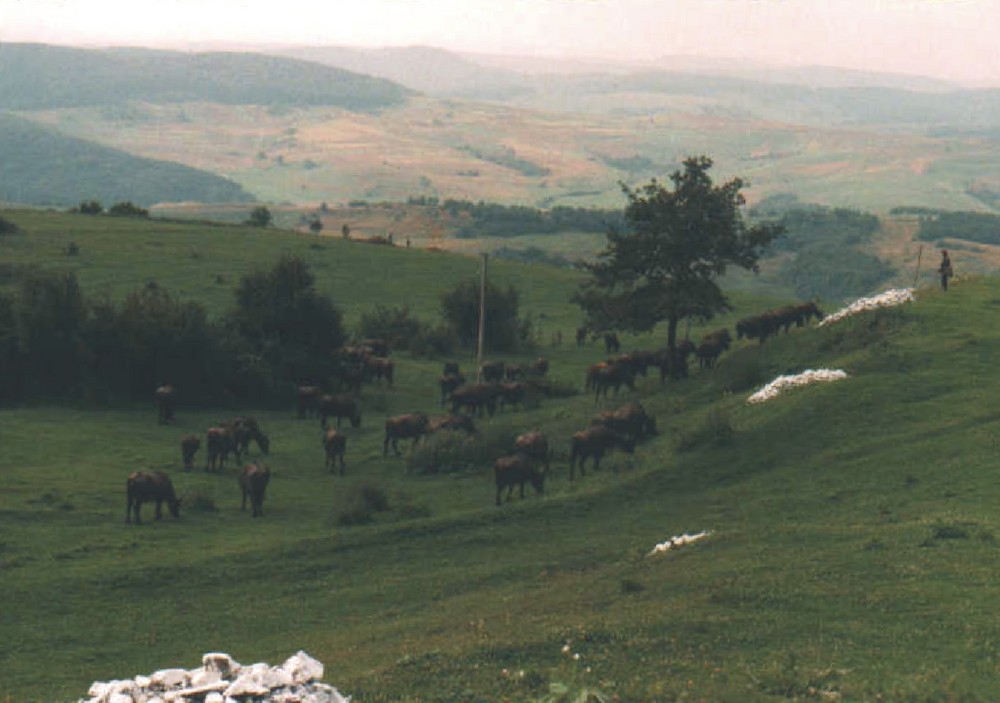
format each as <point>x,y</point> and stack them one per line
<point>55,343</point>
<point>504,330</point>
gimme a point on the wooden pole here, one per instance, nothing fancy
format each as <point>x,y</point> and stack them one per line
<point>920,254</point>
<point>482,321</point>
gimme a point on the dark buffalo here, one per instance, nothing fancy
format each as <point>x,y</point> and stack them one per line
<point>335,444</point>
<point>539,367</point>
<point>166,403</point>
<point>253,483</point>
<point>189,447</point>
<point>218,444</point>
<point>476,399</point>
<point>307,401</point>
<point>243,430</point>
<point>448,383</point>
<point>516,470</point>
<point>630,420</point>
<point>612,345</point>
<point>711,347</point>
<point>607,376</point>
<point>492,371</point>
<point>410,426</point>
<point>377,368</point>
<point>594,442</point>
<point>339,406</point>
<point>581,336</point>
<point>451,423</point>
<point>145,486</point>
<point>512,394</point>
<point>534,445</point>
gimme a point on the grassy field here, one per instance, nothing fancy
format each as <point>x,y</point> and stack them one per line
<point>853,524</point>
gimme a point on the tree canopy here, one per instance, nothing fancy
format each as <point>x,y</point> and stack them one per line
<point>677,241</point>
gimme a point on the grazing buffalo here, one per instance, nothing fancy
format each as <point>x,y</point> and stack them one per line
<point>452,423</point>
<point>512,394</point>
<point>410,426</point>
<point>630,420</point>
<point>594,442</point>
<point>534,445</point>
<point>218,444</point>
<point>539,367</point>
<point>448,383</point>
<point>307,401</point>
<point>581,336</point>
<point>335,444</point>
<point>253,483</point>
<point>339,406</point>
<point>492,371</point>
<point>166,403</point>
<point>516,470</point>
<point>378,368</point>
<point>189,447</point>
<point>711,347</point>
<point>611,343</point>
<point>477,398</point>
<point>605,376</point>
<point>241,431</point>
<point>144,486</point>
<point>450,369</point>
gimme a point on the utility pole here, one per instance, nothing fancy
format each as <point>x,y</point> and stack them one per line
<point>482,321</point>
<point>920,254</point>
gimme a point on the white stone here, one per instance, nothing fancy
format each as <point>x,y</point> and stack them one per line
<point>215,697</point>
<point>303,668</point>
<point>196,692</point>
<point>142,681</point>
<point>118,697</point>
<point>246,685</point>
<point>203,676</point>
<point>222,663</point>
<point>99,690</point>
<point>170,678</point>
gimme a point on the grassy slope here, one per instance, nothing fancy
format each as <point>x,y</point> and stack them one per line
<point>830,567</point>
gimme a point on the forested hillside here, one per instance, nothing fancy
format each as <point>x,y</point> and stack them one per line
<point>40,166</point>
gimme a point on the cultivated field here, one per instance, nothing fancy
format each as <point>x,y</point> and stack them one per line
<point>853,524</point>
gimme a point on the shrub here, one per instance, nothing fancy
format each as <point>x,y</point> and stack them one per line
<point>449,452</point>
<point>741,371</point>
<point>395,324</point>
<point>359,502</point>
<point>7,227</point>
<point>128,209</point>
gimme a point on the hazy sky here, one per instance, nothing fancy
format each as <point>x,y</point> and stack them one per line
<point>956,39</point>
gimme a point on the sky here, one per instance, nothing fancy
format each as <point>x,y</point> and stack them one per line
<point>951,39</point>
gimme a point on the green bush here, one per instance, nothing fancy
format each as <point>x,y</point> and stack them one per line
<point>359,502</point>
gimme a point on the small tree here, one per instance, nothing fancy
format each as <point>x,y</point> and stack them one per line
<point>460,308</point>
<point>664,266</point>
<point>260,216</point>
<point>315,225</point>
<point>128,209</point>
<point>90,207</point>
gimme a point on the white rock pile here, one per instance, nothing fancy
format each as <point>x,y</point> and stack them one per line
<point>221,679</point>
<point>678,541</point>
<point>782,383</point>
<point>890,298</point>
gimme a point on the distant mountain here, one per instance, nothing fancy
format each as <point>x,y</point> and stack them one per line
<point>41,167</point>
<point>429,70</point>
<point>36,76</point>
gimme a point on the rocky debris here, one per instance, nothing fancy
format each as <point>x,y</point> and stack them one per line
<point>221,679</point>
<point>782,383</point>
<point>890,298</point>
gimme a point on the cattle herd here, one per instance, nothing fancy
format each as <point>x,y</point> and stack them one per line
<point>500,386</point>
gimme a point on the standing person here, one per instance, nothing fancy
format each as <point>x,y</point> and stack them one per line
<point>945,269</point>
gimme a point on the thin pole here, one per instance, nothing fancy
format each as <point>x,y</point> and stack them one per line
<point>482,321</point>
<point>920,254</point>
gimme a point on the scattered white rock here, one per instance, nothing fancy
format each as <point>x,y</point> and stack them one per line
<point>890,298</point>
<point>782,383</point>
<point>678,541</point>
<point>221,679</point>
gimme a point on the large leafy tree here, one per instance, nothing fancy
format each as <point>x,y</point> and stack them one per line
<point>664,264</point>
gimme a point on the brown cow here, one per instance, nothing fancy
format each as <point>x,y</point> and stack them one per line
<point>218,444</point>
<point>243,429</point>
<point>144,486</point>
<point>453,423</point>
<point>476,398</point>
<point>189,447</point>
<point>339,406</point>
<point>448,383</point>
<point>516,470</point>
<point>307,401</point>
<point>711,347</point>
<point>534,445</point>
<point>253,483</point>
<point>615,376</point>
<point>410,426</point>
<point>166,402</point>
<point>335,444</point>
<point>631,420</point>
<point>594,442</point>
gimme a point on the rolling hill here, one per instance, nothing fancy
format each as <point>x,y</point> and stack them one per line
<point>852,525</point>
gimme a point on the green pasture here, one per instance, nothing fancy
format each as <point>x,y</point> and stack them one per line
<point>853,524</point>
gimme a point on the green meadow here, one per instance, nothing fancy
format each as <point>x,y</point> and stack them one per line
<point>853,525</point>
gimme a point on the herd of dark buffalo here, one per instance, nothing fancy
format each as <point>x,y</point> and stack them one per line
<point>500,385</point>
